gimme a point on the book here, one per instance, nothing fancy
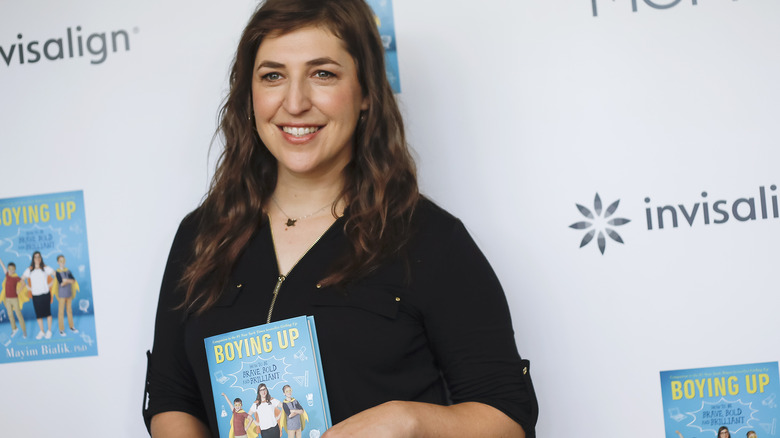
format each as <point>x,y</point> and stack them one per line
<point>703,401</point>
<point>283,356</point>
<point>54,226</point>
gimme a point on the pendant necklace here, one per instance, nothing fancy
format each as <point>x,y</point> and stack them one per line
<point>290,221</point>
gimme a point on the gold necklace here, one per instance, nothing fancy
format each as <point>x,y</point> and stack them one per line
<point>290,221</point>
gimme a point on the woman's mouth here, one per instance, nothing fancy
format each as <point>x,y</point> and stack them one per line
<point>296,131</point>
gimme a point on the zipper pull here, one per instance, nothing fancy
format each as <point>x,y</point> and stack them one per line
<point>278,286</point>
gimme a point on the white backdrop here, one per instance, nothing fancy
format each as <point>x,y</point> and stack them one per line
<point>516,110</point>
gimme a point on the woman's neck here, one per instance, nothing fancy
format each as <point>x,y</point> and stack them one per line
<point>300,196</point>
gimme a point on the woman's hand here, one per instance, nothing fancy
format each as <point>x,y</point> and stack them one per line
<point>397,419</point>
<point>178,424</point>
<point>393,419</point>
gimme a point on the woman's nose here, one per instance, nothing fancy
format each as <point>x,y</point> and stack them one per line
<point>297,99</point>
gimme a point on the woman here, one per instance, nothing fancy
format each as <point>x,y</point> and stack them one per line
<point>314,210</point>
<point>266,411</point>
<point>723,432</point>
<point>39,278</point>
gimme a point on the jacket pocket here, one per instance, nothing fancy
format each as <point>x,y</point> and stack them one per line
<point>374,300</point>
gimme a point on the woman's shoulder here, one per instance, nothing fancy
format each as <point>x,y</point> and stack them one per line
<point>189,224</point>
<point>187,232</point>
<point>427,212</point>
<point>432,221</point>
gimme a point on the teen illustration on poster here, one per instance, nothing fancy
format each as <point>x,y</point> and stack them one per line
<point>43,239</point>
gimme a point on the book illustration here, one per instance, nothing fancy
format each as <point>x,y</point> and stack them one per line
<point>674,414</point>
<point>736,400</point>
<point>257,373</point>
<point>303,380</point>
<point>220,377</point>
<point>46,274</point>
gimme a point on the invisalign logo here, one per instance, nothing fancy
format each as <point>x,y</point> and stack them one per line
<point>598,223</point>
<point>71,45</point>
<point>764,204</point>
<point>717,212</point>
<point>655,4</point>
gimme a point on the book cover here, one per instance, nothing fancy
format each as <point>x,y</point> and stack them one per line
<point>383,14</point>
<point>721,401</point>
<point>54,227</point>
<point>280,359</point>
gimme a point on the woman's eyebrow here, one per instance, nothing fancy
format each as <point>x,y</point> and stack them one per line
<point>322,61</point>
<point>312,63</point>
<point>270,64</point>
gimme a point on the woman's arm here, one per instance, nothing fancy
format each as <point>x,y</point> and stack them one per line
<point>51,273</point>
<point>398,419</point>
<point>178,425</point>
<point>172,394</point>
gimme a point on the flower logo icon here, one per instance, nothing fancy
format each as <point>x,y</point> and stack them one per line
<point>598,223</point>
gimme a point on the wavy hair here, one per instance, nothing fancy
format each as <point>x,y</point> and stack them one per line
<point>380,183</point>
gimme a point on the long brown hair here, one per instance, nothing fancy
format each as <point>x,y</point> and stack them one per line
<point>380,182</point>
<point>32,262</point>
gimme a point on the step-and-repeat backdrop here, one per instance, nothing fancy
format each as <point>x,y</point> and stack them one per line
<point>616,160</point>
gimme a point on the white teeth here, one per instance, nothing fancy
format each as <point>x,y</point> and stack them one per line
<point>300,132</point>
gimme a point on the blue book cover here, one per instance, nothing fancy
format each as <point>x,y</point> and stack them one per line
<point>707,402</point>
<point>270,373</point>
<point>383,14</point>
<point>52,228</point>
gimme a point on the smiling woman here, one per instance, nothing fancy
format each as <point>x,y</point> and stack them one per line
<point>307,100</point>
<point>314,210</point>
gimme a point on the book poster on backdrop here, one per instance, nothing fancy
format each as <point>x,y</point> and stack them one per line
<point>47,310</point>
<point>735,400</point>
<point>383,13</point>
<point>277,364</point>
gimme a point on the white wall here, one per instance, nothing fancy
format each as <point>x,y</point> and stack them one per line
<point>517,111</point>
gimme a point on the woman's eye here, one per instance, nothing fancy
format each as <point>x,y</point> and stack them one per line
<point>271,76</point>
<point>322,74</point>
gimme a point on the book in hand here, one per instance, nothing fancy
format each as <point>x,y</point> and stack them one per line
<point>283,356</point>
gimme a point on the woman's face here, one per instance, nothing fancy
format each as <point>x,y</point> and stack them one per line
<point>307,100</point>
<point>37,259</point>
